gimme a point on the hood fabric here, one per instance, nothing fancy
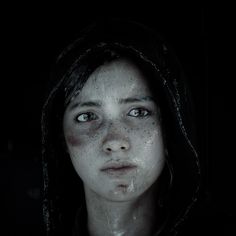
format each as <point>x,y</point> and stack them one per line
<point>63,196</point>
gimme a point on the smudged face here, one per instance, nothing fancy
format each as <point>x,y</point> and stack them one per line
<point>113,133</point>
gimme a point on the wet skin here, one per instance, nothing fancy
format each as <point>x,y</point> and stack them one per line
<point>113,133</point>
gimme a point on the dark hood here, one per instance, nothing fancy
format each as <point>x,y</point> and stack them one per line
<point>63,191</point>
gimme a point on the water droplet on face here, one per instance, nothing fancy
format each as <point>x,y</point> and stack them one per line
<point>131,186</point>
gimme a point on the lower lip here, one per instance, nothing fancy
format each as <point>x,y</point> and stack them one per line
<point>119,171</point>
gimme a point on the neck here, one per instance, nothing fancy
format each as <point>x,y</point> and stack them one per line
<point>110,218</point>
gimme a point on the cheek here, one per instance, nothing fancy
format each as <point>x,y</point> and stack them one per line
<point>152,156</point>
<point>81,143</point>
<point>150,144</point>
<point>73,140</point>
<point>149,134</point>
<point>72,137</point>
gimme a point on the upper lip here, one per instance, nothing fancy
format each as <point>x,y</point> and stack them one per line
<point>117,166</point>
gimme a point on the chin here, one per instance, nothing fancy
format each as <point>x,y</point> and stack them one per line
<point>122,193</point>
<point>120,197</point>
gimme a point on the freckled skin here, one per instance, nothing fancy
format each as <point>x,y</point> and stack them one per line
<point>142,136</point>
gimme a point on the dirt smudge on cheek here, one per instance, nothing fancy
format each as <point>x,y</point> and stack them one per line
<point>73,140</point>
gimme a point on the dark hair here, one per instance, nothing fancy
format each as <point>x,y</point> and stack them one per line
<point>74,81</point>
<point>168,86</point>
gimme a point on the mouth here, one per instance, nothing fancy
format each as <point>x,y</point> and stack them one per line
<point>118,168</point>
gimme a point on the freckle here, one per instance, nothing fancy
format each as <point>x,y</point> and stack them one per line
<point>73,140</point>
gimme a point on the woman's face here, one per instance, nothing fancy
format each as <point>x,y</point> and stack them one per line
<point>113,133</point>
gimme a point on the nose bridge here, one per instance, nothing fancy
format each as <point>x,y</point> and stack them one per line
<point>115,139</point>
<point>114,126</point>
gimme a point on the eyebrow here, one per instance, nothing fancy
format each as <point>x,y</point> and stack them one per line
<point>86,104</point>
<point>120,101</point>
<point>134,99</point>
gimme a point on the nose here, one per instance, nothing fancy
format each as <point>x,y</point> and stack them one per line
<point>115,144</point>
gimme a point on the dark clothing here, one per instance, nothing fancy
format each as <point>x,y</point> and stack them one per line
<point>63,190</point>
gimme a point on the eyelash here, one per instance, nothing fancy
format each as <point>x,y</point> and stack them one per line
<point>142,112</point>
<point>145,112</point>
<point>89,114</point>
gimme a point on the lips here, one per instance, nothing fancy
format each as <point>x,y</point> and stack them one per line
<point>118,168</point>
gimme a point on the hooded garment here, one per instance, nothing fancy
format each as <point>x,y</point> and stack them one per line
<point>63,198</point>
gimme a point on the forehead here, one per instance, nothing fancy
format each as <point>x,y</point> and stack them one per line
<point>117,79</point>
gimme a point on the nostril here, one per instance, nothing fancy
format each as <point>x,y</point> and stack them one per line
<point>115,146</point>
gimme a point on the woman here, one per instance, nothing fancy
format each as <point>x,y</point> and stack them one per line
<point>118,149</point>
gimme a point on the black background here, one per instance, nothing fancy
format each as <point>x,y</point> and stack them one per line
<point>31,38</point>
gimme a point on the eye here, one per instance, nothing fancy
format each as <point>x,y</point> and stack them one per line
<point>139,112</point>
<point>85,117</point>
